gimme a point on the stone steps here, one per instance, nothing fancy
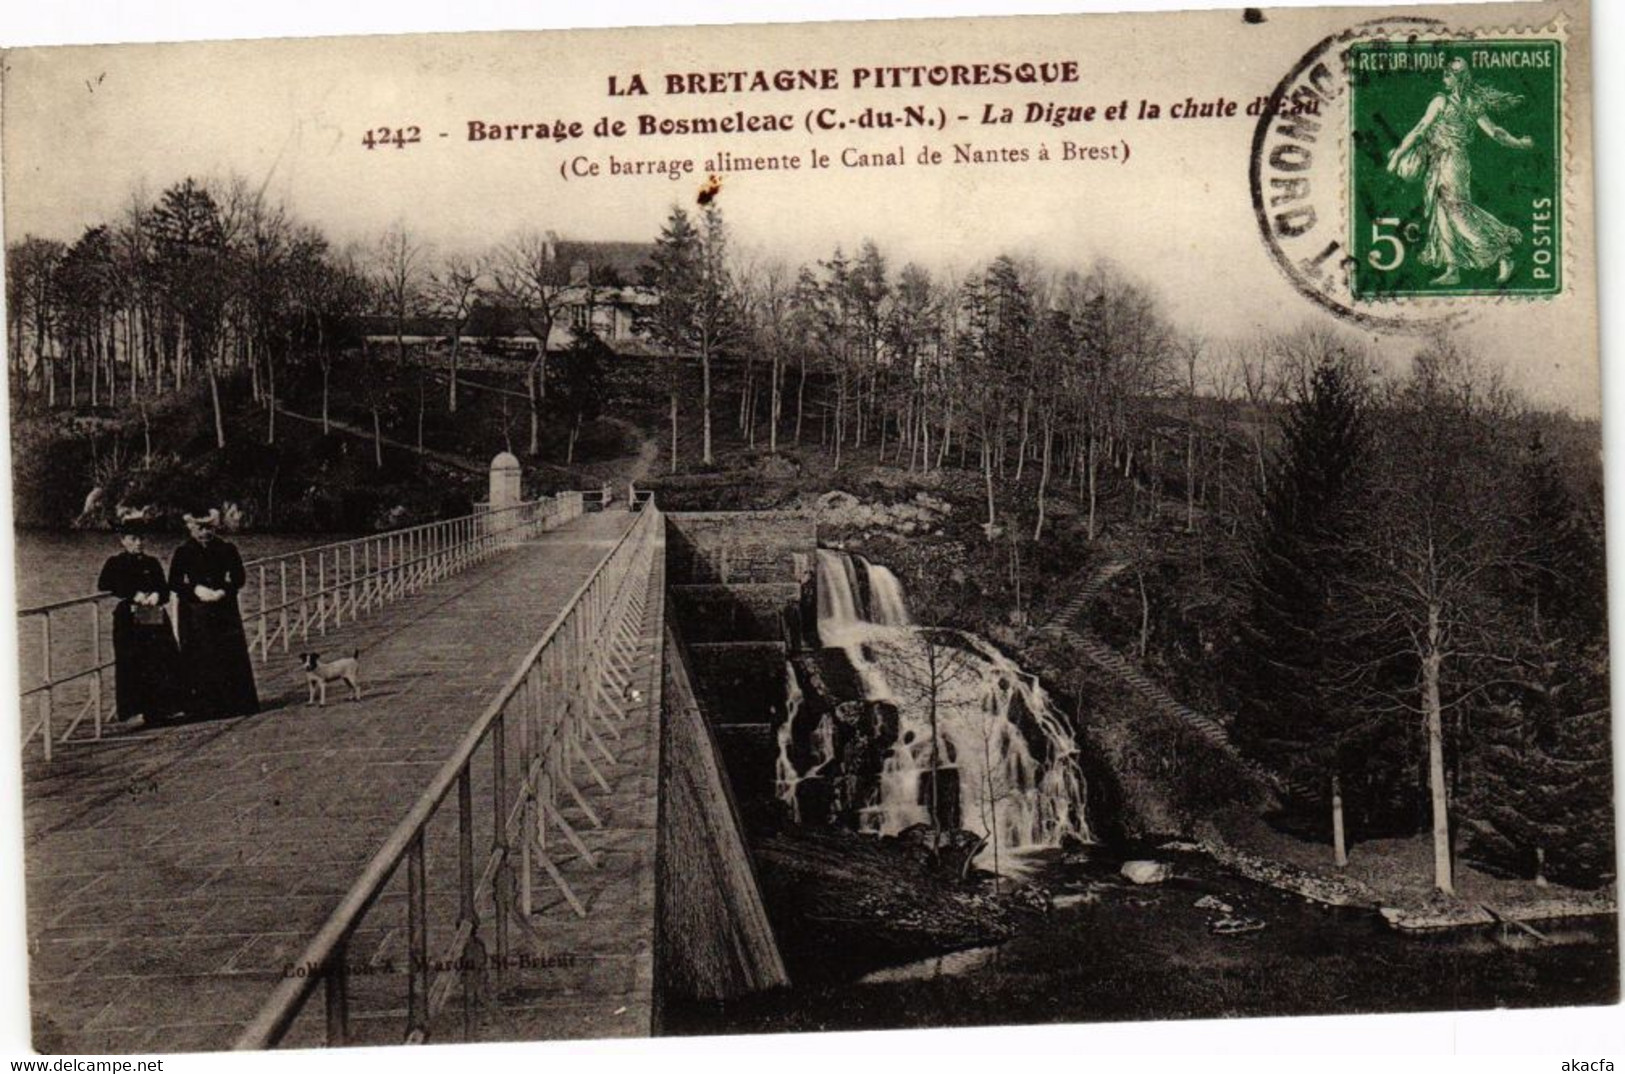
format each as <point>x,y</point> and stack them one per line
<point>1109,659</point>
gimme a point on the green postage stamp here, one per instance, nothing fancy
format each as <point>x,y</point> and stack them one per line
<point>1455,182</point>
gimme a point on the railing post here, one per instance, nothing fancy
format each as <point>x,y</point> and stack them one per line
<point>465,889</point>
<point>355,596</point>
<point>338,996</point>
<point>282,603</point>
<point>304,601</point>
<point>45,697</point>
<point>265,637</point>
<point>527,740</point>
<point>499,830</point>
<point>417,934</point>
<point>96,662</point>
<point>321,593</point>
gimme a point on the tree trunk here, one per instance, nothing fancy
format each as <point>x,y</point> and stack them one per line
<point>377,440</point>
<point>705,400</point>
<point>1339,847</point>
<point>327,370</point>
<point>1093,467</point>
<point>270,402</point>
<point>775,406</point>
<point>1190,479</point>
<point>422,403</point>
<point>1263,473</point>
<point>801,394</point>
<point>1021,448</point>
<point>1043,479</point>
<point>987,474</point>
<point>1432,707</point>
<point>840,417</point>
<point>535,407</point>
<point>925,439</point>
<point>219,417</point>
<point>254,391</point>
<point>1145,616</point>
<point>674,430</point>
<point>451,389</point>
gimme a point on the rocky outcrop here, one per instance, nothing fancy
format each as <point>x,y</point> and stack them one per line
<point>924,513</point>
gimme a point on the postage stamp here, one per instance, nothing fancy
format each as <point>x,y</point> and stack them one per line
<point>1455,167</point>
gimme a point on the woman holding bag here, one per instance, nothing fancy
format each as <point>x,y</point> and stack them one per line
<point>146,662</point>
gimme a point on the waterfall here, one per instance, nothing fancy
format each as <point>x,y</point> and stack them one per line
<point>837,589</point>
<point>1007,792</point>
<point>886,605</point>
<point>853,590</point>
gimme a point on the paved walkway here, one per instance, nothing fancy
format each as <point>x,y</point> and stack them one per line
<point>174,874</point>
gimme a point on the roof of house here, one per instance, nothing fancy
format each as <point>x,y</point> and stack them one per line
<point>625,258</point>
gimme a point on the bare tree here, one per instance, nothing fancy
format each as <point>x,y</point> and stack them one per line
<point>772,304</point>
<point>1255,367</point>
<point>453,292</point>
<point>532,284</point>
<point>1190,355</point>
<point>398,275</point>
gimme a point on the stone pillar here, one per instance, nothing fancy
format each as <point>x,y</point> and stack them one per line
<point>504,493</point>
<point>504,489</point>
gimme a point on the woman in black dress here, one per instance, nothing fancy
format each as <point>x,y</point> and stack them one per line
<point>146,662</point>
<point>206,572</point>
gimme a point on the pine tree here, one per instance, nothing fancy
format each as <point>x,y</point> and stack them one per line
<point>1540,799</point>
<point>672,273</point>
<point>582,394</point>
<point>699,309</point>
<point>1289,717</point>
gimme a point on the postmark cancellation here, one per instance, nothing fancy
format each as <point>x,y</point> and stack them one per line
<point>1411,171</point>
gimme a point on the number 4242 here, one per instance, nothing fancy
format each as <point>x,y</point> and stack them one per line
<point>399,137</point>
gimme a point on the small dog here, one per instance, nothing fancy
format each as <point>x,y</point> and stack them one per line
<point>318,673</point>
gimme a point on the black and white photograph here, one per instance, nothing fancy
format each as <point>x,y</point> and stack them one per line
<point>808,527</point>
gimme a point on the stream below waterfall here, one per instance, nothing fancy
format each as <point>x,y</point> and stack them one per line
<point>1111,950</point>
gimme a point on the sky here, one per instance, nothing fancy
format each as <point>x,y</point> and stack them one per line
<point>87,129</point>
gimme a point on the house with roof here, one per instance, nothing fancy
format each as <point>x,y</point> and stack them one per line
<point>599,290</point>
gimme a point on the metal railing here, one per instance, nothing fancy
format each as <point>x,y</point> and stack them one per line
<point>475,871</point>
<point>283,598</point>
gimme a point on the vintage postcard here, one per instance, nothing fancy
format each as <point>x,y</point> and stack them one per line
<point>874,525</point>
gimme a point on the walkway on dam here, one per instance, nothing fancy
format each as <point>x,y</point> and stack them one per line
<point>175,874</point>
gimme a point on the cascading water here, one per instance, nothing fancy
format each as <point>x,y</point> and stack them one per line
<point>978,699</point>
